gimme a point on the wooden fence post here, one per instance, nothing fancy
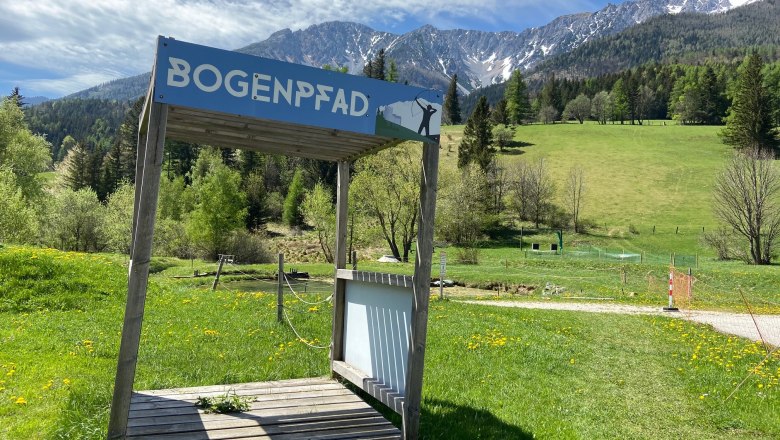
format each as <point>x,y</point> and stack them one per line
<point>280,290</point>
<point>219,271</point>
<point>138,273</point>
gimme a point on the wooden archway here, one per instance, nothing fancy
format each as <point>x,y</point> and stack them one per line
<point>199,112</point>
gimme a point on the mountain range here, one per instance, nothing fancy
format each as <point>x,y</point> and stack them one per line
<point>428,56</point>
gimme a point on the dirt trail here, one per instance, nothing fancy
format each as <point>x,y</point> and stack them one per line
<point>740,324</point>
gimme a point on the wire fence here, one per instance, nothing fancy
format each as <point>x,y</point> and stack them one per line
<point>615,255</point>
<point>302,294</point>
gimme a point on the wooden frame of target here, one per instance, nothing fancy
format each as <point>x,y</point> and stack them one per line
<point>215,97</point>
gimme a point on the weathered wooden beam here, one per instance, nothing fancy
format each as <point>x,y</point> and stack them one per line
<point>291,138</point>
<point>139,170</point>
<point>278,127</point>
<point>422,278</point>
<point>255,145</point>
<point>388,279</point>
<point>342,194</point>
<point>149,180</point>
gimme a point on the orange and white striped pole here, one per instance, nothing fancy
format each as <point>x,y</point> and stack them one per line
<point>671,307</point>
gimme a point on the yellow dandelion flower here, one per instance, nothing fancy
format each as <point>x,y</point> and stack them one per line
<point>21,401</point>
<point>66,381</point>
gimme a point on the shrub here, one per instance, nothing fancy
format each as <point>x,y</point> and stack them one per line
<point>468,255</point>
<point>249,247</point>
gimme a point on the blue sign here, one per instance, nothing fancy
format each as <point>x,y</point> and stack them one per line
<point>202,77</point>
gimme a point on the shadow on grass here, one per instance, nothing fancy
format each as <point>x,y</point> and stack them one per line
<point>446,420</point>
<point>440,419</point>
<point>513,148</point>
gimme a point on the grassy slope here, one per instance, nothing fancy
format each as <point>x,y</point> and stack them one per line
<point>490,373</point>
<point>640,175</point>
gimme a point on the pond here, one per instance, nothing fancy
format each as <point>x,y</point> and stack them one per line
<point>269,286</point>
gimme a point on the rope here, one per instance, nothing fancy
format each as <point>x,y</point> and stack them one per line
<point>300,338</point>
<point>286,316</point>
<point>301,299</point>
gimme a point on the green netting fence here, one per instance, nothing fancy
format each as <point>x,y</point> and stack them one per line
<point>614,254</point>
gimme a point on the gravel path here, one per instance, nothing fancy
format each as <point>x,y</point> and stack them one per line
<point>740,324</point>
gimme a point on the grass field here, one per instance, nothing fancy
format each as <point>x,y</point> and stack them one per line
<point>490,373</point>
<point>638,176</point>
<point>642,175</point>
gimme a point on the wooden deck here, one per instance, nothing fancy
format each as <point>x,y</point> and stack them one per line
<point>283,410</point>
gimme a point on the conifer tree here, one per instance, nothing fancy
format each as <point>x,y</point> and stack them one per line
<point>500,114</point>
<point>368,69</point>
<point>551,94</point>
<point>293,215</point>
<point>392,73</point>
<point>378,65</point>
<point>76,168</point>
<point>749,124</point>
<point>452,103</point>
<point>518,108</point>
<point>477,138</point>
<point>16,97</point>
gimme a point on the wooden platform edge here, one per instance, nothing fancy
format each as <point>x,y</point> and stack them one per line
<point>376,389</point>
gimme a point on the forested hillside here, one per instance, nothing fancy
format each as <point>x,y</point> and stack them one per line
<point>677,40</point>
<point>683,38</point>
<point>91,121</point>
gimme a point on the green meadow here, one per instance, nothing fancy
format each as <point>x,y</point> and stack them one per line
<point>490,373</point>
<point>635,176</point>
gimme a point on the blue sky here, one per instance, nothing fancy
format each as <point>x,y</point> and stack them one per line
<point>53,48</point>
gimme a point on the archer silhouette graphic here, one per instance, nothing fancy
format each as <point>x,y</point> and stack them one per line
<point>426,118</point>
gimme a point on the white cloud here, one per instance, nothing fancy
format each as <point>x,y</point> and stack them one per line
<point>82,40</point>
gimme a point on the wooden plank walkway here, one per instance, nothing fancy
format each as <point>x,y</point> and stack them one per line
<point>284,410</point>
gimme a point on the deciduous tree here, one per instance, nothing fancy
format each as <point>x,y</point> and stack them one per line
<point>578,108</point>
<point>320,214</point>
<point>116,226</point>
<point>600,107</point>
<point>220,209</point>
<point>574,192</point>
<point>18,222</point>
<point>747,199</point>
<point>386,188</point>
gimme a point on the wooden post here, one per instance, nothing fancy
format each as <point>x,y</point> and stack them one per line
<point>219,271</point>
<point>690,285</point>
<point>139,163</point>
<point>422,280</point>
<point>146,208</point>
<point>280,289</point>
<point>139,170</point>
<point>340,257</point>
